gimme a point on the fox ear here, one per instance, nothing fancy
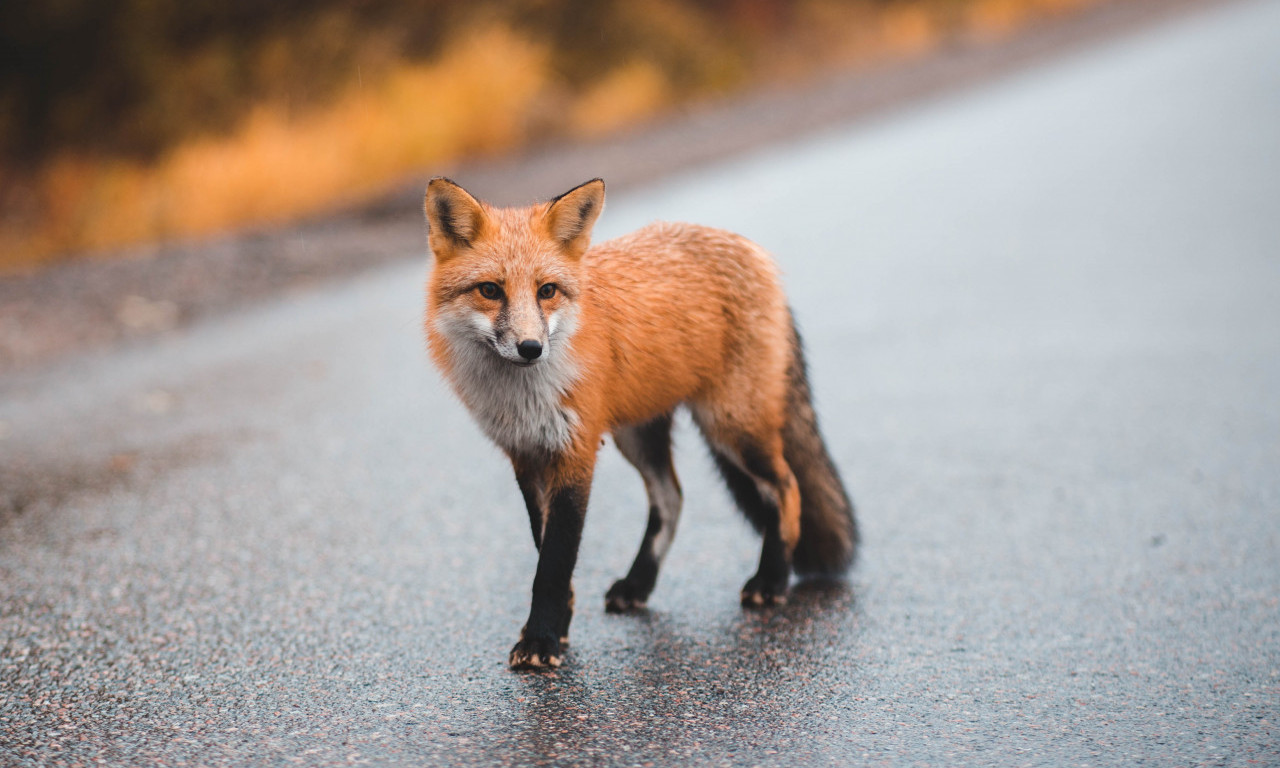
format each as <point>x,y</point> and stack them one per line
<point>454,217</point>
<point>570,216</point>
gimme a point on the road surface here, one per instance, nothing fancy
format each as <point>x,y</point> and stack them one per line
<point>1043,319</point>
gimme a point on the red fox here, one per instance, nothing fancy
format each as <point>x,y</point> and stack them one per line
<point>551,344</point>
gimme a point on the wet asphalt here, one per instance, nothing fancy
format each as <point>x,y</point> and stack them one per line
<point>1043,321</point>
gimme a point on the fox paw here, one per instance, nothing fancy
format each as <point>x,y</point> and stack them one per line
<point>759,593</point>
<point>536,653</point>
<point>624,596</point>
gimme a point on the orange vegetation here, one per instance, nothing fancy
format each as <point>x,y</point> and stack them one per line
<point>493,89</point>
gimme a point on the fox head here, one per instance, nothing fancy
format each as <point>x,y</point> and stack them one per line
<point>507,280</point>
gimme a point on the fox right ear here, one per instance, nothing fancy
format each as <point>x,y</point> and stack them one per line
<point>455,218</point>
<point>570,216</point>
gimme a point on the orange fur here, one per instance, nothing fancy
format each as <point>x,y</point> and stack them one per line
<point>670,314</point>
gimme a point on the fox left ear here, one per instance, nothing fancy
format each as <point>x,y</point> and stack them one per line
<point>570,216</point>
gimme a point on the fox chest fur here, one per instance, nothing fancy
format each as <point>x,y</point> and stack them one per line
<point>521,409</point>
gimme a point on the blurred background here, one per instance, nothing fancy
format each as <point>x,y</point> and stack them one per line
<point>128,121</point>
<point>1032,246</point>
<point>165,162</point>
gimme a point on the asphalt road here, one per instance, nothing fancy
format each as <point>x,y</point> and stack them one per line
<point>1044,324</point>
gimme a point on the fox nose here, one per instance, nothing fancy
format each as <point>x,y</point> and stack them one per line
<point>529,349</point>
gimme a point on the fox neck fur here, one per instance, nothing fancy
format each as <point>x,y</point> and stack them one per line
<point>520,408</point>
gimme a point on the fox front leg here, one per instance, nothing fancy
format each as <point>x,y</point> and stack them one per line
<point>533,489</point>
<point>540,644</point>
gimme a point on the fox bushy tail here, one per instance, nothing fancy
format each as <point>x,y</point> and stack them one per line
<point>828,532</point>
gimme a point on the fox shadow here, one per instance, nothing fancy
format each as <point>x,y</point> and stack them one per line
<point>754,681</point>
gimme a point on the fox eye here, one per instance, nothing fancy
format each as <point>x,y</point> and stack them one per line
<point>489,290</point>
<point>547,291</point>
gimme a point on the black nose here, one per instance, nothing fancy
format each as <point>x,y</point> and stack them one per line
<point>529,349</point>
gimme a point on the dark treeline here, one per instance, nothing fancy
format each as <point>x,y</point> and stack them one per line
<point>132,77</point>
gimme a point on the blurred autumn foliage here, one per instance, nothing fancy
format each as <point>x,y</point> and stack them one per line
<point>131,120</point>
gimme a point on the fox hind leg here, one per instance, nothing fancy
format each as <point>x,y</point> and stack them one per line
<point>647,447</point>
<point>764,488</point>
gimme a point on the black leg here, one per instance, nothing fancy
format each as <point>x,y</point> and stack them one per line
<point>531,489</point>
<point>648,447</point>
<point>632,591</point>
<point>769,584</point>
<point>551,610</point>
